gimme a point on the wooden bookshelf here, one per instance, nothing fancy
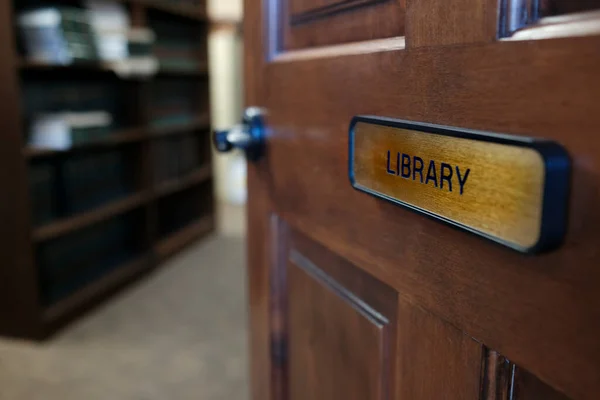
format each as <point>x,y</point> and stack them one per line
<point>136,139</point>
<point>179,240</point>
<point>201,70</point>
<point>203,174</point>
<point>87,296</point>
<point>76,222</point>
<point>114,139</point>
<point>201,122</point>
<point>192,12</point>
<point>36,65</point>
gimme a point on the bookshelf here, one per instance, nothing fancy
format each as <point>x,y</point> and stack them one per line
<point>82,222</point>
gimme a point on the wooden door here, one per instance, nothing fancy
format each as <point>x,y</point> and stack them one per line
<point>352,297</point>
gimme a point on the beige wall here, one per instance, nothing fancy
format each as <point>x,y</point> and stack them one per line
<point>225,9</point>
<point>225,52</point>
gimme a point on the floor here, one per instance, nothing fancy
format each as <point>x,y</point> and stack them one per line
<point>179,334</point>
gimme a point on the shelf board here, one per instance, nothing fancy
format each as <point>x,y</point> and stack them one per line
<point>106,67</point>
<point>178,184</point>
<point>178,240</point>
<point>202,122</point>
<point>64,226</point>
<point>189,72</point>
<point>97,290</point>
<point>114,139</point>
<point>183,10</point>
<point>36,65</point>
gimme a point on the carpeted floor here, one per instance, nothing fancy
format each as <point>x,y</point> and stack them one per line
<point>178,335</point>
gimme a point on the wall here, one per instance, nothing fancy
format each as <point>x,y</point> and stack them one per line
<point>226,69</point>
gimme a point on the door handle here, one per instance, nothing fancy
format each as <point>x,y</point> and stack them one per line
<point>248,136</point>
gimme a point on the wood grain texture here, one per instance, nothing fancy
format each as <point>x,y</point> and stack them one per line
<point>435,23</point>
<point>495,189</point>
<point>305,24</point>
<point>278,308</point>
<point>542,312</point>
<point>341,329</point>
<point>335,347</point>
<point>501,87</point>
<point>261,240</point>
<point>435,360</point>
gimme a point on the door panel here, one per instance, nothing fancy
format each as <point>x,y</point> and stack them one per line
<point>452,301</point>
<point>340,346</point>
<point>309,23</point>
<point>435,358</point>
<point>434,22</point>
<point>341,334</point>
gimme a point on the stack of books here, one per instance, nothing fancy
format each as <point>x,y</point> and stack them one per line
<point>174,101</point>
<point>91,180</point>
<point>70,262</point>
<point>63,187</point>
<point>42,181</point>
<point>57,35</point>
<point>62,114</point>
<point>178,46</point>
<point>101,32</point>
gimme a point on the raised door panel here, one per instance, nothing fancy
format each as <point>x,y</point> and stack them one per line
<point>339,333</point>
<point>350,336</point>
<point>338,344</point>
<point>341,327</point>
<point>310,23</point>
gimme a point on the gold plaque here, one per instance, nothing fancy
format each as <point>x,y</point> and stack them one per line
<point>510,189</point>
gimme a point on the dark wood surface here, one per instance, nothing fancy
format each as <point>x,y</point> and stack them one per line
<point>434,23</point>
<point>541,312</point>
<point>201,122</point>
<point>19,306</point>
<point>203,174</point>
<point>435,357</point>
<point>352,355</point>
<point>114,139</point>
<point>79,221</point>
<point>308,23</point>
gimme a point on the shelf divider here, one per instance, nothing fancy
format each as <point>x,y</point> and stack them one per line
<point>79,221</point>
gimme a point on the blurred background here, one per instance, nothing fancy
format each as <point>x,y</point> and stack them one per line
<point>122,249</point>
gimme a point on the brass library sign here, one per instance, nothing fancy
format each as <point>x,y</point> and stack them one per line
<point>509,189</point>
